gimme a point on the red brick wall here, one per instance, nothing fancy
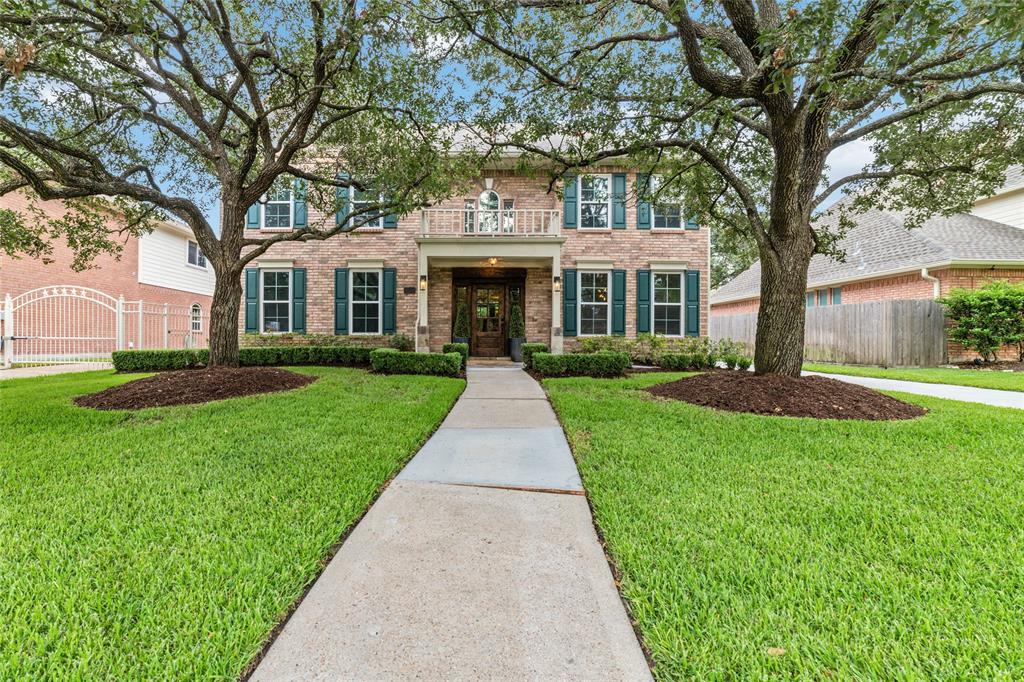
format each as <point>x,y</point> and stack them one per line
<point>736,307</point>
<point>629,249</point>
<point>113,276</point>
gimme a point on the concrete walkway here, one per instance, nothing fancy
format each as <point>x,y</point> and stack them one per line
<point>479,561</point>
<point>986,396</point>
<point>47,370</point>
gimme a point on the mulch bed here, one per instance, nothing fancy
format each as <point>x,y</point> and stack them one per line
<point>775,395</point>
<point>1006,366</point>
<point>190,386</point>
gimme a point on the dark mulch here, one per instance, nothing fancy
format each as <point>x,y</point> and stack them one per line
<point>190,386</point>
<point>1006,366</point>
<point>782,396</point>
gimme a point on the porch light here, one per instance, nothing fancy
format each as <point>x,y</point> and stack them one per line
<point>492,260</point>
<point>557,282</point>
<point>423,282</point>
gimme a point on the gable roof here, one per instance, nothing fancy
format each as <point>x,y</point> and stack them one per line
<point>879,244</point>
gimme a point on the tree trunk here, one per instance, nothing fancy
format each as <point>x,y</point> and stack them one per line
<point>227,297</point>
<point>779,347</point>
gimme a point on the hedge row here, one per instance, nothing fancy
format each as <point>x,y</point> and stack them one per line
<point>460,348</point>
<point>529,349</point>
<point>685,361</point>
<point>159,360</point>
<point>391,361</point>
<point>599,364</point>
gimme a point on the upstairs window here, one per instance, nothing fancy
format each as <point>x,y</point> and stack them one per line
<point>667,213</point>
<point>279,211</point>
<point>195,255</point>
<point>361,201</point>
<point>488,215</point>
<point>595,201</point>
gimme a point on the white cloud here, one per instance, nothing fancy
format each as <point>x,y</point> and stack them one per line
<point>848,159</point>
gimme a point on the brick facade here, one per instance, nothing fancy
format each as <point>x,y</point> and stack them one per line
<point>629,249</point>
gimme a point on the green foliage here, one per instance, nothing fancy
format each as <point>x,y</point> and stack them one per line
<point>823,538</point>
<point>391,361</point>
<point>529,349</point>
<point>987,318</point>
<point>168,542</point>
<point>516,325</point>
<point>461,321</point>
<point>257,340</point>
<point>703,353</point>
<point>159,360</point>
<point>460,348</point>
<point>401,342</point>
<point>602,363</point>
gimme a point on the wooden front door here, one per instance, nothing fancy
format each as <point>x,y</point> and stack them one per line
<point>488,323</point>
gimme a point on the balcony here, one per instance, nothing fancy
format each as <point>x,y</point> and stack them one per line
<point>519,222</point>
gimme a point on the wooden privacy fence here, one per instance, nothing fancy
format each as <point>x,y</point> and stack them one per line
<point>888,333</point>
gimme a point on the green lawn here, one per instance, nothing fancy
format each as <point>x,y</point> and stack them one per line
<point>166,543</point>
<point>979,378</point>
<point>864,550</point>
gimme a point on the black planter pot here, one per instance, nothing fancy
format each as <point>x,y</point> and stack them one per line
<point>515,348</point>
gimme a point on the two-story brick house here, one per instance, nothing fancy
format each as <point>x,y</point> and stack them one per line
<point>595,261</point>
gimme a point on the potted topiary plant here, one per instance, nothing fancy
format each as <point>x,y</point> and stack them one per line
<point>516,333</point>
<point>461,334</point>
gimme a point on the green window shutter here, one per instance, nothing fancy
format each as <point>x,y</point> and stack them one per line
<point>252,217</point>
<point>570,203</point>
<point>693,302</point>
<point>390,221</point>
<point>569,302</point>
<point>643,207</point>
<point>388,301</point>
<point>619,201</point>
<point>691,223</point>
<point>837,296</point>
<point>301,212</point>
<point>341,301</point>
<point>619,302</point>
<point>643,301</point>
<point>340,202</point>
<point>299,300</point>
<point>252,300</point>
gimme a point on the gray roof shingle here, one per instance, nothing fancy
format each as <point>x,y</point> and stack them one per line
<point>880,243</point>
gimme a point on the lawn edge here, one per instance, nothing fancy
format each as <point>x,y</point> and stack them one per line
<point>911,381</point>
<point>609,559</point>
<point>332,551</point>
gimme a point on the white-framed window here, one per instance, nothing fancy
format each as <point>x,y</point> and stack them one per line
<point>488,216</point>
<point>360,200</point>
<point>275,301</point>
<point>668,214</point>
<point>194,255</point>
<point>196,317</point>
<point>595,201</point>
<point>279,208</point>
<point>667,309</point>
<point>595,303</point>
<point>364,301</point>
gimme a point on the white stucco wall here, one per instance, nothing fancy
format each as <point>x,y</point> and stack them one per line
<point>163,262</point>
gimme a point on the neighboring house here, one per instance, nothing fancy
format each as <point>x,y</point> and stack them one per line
<point>165,269</point>
<point>886,261</point>
<point>594,263</point>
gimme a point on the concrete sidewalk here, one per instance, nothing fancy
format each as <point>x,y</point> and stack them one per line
<point>986,396</point>
<point>479,561</point>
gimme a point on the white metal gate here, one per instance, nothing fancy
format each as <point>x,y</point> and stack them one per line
<point>64,324</point>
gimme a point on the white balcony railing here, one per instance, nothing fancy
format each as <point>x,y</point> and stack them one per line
<point>518,222</point>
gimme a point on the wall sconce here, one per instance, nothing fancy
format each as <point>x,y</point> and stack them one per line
<point>557,283</point>
<point>423,282</point>
<point>492,261</point>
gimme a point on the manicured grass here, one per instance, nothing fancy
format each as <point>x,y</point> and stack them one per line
<point>865,550</point>
<point>166,543</point>
<point>979,378</point>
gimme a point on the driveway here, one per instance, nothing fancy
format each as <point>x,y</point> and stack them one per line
<point>479,561</point>
<point>970,394</point>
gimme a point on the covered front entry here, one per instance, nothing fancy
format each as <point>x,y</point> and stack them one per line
<point>488,295</point>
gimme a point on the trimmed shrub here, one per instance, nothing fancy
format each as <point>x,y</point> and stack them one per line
<point>460,348</point>
<point>744,363</point>
<point>987,318</point>
<point>676,361</point>
<point>529,349</point>
<point>597,364</point>
<point>160,360</point>
<point>391,361</point>
<point>461,321</point>
<point>401,342</point>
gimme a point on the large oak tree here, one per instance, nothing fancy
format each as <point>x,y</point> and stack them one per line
<point>740,103</point>
<point>196,109</point>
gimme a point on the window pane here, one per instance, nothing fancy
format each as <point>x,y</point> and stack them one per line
<point>594,287</point>
<point>365,286</point>
<point>668,288</point>
<point>668,320</point>
<point>594,188</point>
<point>365,318</point>
<point>278,215</point>
<point>593,319</point>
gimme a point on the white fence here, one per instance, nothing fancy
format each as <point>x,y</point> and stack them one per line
<point>885,333</point>
<point>63,324</point>
<point>507,222</point>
